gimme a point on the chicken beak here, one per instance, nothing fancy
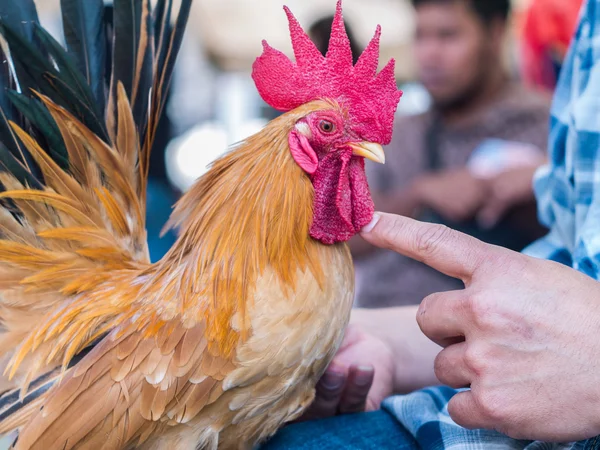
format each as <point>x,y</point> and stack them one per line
<point>369,150</point>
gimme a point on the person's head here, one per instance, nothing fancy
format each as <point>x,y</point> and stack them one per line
<point>458,46</point>
<point>320,31</point>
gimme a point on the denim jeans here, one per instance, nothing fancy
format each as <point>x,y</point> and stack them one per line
<point>365,431</point>
<point>372,431</point>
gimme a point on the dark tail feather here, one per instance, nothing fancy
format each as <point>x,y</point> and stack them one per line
<point>11,404</point>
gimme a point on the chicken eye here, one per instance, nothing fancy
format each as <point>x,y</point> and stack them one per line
<point>326,126</point>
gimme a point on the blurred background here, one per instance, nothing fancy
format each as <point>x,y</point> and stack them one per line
<point>477,77</point>
<point>213,100</point>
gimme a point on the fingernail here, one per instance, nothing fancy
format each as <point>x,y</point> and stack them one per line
<point>364,375</point>
<point>333,380</point>
<point>371,224</point>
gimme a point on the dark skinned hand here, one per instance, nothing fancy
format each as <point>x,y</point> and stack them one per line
<point>359,378</point>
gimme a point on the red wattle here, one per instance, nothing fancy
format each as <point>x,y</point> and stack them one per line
<point>342,204</point>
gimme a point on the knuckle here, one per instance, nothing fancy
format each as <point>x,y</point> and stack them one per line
<point>466,303</point>
<point>428,238</point>
<point>480,307</point>
<point>476,359</point>
<point>491,406</point>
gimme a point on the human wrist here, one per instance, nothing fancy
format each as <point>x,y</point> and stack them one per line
<point>412,352</point>
<point>363,319</point>
<point>375,321</point>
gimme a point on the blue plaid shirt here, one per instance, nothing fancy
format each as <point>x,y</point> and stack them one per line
<point>568,190</point>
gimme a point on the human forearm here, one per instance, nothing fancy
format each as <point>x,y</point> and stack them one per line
<point>413,352</point>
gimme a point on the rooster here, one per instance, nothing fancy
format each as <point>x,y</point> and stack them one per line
<point>222,341</point>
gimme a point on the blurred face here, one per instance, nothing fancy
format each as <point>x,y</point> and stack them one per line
<point>454,51</point>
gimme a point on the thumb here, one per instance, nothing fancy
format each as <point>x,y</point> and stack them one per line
<point>450,252</point>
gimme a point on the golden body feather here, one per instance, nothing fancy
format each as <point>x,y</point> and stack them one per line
<point>216,345</point>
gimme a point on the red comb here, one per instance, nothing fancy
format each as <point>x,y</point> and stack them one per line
<point>371,98</point>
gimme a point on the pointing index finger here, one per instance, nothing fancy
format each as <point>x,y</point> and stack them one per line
<point>448,251</point>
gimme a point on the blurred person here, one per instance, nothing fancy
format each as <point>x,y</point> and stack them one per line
<point>547,31</point>
<point>320,31</point>
<point>469,161</point>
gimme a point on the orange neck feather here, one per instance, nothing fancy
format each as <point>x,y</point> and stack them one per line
<point>250,211</point>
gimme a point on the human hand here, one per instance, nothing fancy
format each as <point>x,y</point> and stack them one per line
<point>523,334</point>
<point>358,379</point>
<point>456,195</point>
<point>506,190</point>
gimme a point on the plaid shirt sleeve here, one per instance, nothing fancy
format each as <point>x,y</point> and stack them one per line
<point>566,190</point>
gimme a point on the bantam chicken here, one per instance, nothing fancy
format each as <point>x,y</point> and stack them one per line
<point>223,340</point>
